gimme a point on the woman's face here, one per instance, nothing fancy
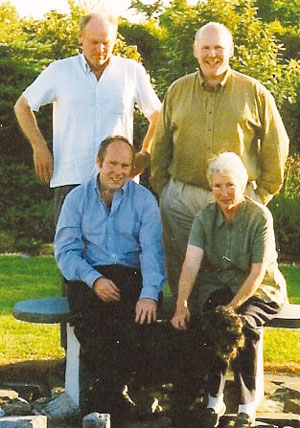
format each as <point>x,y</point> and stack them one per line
<point>227,191</point>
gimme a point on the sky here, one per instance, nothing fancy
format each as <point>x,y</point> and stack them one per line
<point>37,8</point>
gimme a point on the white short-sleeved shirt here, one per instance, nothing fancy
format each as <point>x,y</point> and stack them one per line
<point>86,111</point>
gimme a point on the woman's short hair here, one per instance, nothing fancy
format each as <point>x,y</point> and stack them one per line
<point>109,140</point>
<point>228,163</point>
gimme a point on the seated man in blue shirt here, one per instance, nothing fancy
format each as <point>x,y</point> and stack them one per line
<point>108,244</point>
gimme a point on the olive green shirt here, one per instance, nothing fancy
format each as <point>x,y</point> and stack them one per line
<point>196,122</point>
<point>231,248</point>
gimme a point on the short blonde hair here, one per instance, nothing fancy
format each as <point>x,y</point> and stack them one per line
<point>228,163</point>
<point>85,19</point>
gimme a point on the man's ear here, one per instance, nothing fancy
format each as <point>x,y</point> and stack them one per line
<point>232,50</point>
<point>79,35</point>
<point>195,49</point>
<point>98,162</point>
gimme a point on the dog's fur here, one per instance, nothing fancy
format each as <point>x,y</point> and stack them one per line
<point>223,328</point>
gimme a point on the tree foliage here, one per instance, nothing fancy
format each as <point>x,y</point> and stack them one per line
<point>26,47</point>
<point>267,46</point>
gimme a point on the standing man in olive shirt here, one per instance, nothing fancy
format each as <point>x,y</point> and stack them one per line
<point>213,110</point>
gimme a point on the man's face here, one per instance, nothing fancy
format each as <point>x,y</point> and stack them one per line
<point>97,40</point>
<point>116,166</point>
<point>213,50</point>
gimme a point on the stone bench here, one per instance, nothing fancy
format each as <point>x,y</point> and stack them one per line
<point>56,310</point>
<point>51,311</point>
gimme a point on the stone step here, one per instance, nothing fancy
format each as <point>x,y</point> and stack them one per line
<point>24,422</point>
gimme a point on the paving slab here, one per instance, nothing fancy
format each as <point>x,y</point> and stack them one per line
<point>23,422</point>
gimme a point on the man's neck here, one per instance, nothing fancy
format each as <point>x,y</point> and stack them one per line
<point>107,196</point>
<point>99,70</point>
<point>213,81</point>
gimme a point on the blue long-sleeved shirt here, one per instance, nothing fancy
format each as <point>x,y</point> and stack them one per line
<point>88,234</point>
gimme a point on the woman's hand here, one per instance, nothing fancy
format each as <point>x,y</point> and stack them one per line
<point>231,305</point>
<point>181,318</point>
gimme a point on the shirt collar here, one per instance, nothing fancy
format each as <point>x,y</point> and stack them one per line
<point>220,219</point>
<point>120,191</point>
<point>223,81</point>
<point>84,63</point>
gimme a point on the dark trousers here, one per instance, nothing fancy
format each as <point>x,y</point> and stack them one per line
<point>111,342</point>
<point>244,366</point>
<point>59,196</point>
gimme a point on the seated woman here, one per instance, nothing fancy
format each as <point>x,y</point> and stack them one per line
<point>232,239</point>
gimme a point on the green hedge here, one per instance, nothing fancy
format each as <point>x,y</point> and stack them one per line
<point>285,208</point>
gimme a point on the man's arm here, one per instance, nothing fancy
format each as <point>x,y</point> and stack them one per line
<point>69,245</point>
<point>151,259</point>
<point>274,150</point>
<point>161,152</point>
<point>142,158</point>
<point>43,161</point>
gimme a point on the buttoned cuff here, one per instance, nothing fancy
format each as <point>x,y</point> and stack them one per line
<point>92,277</point>
<point>149,293</point>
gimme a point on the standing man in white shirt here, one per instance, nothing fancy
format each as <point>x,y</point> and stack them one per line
<point>93,96</point>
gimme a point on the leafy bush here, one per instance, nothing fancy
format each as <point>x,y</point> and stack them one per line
<point>285,208</point>
<point>26,207</point>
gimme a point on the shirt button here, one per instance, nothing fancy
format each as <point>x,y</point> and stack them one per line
<point>114,255</point>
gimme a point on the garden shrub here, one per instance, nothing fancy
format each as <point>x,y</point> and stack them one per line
<point>26,208</point>
<point>285,208</point>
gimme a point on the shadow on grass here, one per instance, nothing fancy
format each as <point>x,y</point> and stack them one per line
<point>31,370</point>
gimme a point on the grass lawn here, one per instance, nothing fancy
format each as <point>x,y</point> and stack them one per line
<point>27,278</point>
<point>38,277</point>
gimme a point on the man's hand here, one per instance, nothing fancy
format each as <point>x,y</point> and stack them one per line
<point>43,162</point>
<point>142,160</point>
<point>106,290</point>
<point>145,311</point>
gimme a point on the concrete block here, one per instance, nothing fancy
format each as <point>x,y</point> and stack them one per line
<point>24,422</point>
<point>59,408</point>
<point>96,420</point>
<point>9,394</point>
<point>17,407</point>
<point>28,391</point>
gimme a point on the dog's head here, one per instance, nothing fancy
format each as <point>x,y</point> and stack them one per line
<point>223,328</point>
